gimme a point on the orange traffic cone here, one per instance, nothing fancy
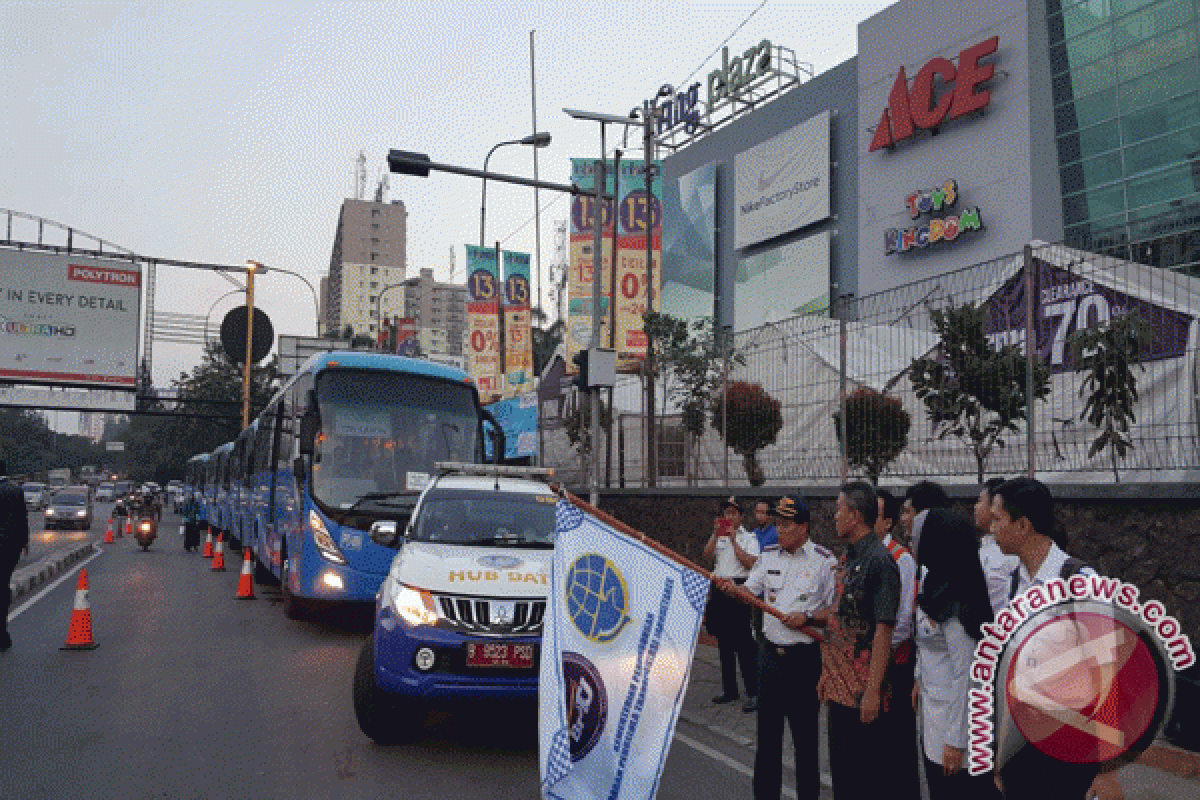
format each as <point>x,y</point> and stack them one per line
<point>79,637</point>
<point>108,535</point>
<point>246,581</point>
<point>208,544</point>
<point>129,526</point>
<point>218,564</point>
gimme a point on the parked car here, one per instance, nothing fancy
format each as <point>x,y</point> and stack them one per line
<point>36,496</point>
<point>70,507</point>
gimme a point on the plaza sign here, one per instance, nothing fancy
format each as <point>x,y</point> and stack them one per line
<point>924,106</point>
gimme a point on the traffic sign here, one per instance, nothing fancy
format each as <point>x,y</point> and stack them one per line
<point>233,335</point>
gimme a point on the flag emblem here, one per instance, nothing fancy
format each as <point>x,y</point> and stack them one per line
<point>587,703</point>
<point>597,598</point>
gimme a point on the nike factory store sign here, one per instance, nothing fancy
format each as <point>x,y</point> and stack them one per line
<point>782,184</point>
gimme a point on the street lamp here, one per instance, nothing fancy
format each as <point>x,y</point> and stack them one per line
<point>252,268</point>
<point>239,290</point>
<point>533,140</point>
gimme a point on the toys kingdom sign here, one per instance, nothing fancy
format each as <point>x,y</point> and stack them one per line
<point>937,229</point>
<point>924,106</point>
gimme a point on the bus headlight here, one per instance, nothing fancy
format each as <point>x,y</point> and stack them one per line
<point>414,606</point>
<point>323,540</point>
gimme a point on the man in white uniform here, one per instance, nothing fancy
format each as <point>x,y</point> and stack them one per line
<point>733,551</point>
<point>997,567</point>
<point>797,578</point>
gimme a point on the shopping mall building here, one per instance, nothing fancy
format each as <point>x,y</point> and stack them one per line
<point>960,132</point>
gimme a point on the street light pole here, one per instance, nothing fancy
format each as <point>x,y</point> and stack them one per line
<point>251,268</point>
<point>533,140</point>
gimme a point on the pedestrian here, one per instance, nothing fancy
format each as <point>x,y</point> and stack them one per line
<point>796,577</point>
<point>14,539</point>
<point>191,523</point>
<point>921,496</point>
<point>858,647</point>
<point>1023,525</point>
<point>901,717</point>
<point>997,567</point>
<point>765,529</point>
<point>733,551</point>
<point>952,607</point>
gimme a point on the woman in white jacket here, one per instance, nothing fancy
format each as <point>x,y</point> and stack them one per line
<point>952,604</point>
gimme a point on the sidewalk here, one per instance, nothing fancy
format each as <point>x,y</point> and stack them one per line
<point>1163,772</point>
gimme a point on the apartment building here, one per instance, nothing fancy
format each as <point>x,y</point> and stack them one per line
<point>369,254</point>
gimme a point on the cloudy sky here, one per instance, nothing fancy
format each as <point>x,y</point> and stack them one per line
<point>229,131</point>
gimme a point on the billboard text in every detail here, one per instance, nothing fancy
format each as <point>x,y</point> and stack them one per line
<point>961,93</point>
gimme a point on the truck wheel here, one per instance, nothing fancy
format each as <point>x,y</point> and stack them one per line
<point>379,716</point>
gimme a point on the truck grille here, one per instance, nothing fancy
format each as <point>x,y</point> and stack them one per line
<point>488,615</point>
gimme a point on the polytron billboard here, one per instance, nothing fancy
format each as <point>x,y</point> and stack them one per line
<point>69,320</point>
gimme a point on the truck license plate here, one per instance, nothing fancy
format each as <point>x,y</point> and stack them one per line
<point>499,654</point>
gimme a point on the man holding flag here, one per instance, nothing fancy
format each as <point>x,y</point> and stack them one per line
<point>795,577</point>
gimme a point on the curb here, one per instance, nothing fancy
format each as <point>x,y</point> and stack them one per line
<point>27,579</point>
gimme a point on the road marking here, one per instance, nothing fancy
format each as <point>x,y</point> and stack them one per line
<point>737,766</point>
<point>13,615</point>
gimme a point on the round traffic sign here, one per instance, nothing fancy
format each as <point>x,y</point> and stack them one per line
<point>233,335</point>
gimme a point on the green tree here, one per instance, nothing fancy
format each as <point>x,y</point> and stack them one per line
<point>754,422</point>
<point>689,365</point>
<point>971,389</point>
<point>1106,355</point>
<point>546,341</point>
<point>877,429</point>
<point>30,447</point>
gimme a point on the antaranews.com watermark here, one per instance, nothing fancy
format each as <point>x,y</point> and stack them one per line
<point>1066,680</point>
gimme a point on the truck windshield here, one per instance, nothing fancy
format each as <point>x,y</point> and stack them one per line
<point>382,432</point>
<point>455,516</point>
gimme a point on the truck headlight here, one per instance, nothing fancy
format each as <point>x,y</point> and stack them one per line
<point>324,541</point>
<point>414,606</point>
<point>49,512</point>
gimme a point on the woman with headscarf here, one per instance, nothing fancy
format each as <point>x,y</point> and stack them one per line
<point>952,605</point>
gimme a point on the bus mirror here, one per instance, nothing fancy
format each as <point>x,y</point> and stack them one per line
<point>298,468</point>
<point>497,436</point>
<point>384,533</point>
<point>310,423</point>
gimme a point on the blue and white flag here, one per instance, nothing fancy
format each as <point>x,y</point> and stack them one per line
<point>617,645</point>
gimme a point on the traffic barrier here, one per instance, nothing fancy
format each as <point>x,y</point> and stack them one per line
<point>79,636</point>
<point>108,534</point>
<point>208,544</point>
<point>218,564</point>
<point>245,590</point>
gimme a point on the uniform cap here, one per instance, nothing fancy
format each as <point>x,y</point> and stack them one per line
<point>792,506</point>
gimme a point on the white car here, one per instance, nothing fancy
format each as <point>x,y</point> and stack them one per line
<point>459,615</point>
<point>36,496</point>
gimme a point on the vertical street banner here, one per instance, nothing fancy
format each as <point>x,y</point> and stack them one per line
<point>518,418</point>
<point>518,339</point>
<point>638,215</point>
<point>617,646</point>
<point>483,319</point>
<point>580,277</point>
<point>406,336</point>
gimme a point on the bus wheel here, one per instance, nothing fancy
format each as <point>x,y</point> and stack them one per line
<point>379,716</point>
<point>294,608</point>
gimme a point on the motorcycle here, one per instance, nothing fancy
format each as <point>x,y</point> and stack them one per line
<point>145,531</point>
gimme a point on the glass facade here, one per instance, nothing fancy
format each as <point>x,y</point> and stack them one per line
<point>1127,117</point>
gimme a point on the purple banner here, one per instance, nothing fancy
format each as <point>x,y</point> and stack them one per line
<point>1064,303</point>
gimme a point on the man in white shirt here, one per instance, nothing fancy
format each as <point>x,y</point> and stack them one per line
<point>797,578</point>
<point>1023,526</point>
<point>733,551</point>
<point>997,567</point>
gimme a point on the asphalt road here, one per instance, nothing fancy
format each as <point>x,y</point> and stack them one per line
<point>195,694</point>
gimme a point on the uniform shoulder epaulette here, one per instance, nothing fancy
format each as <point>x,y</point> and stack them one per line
<point>822,551</point>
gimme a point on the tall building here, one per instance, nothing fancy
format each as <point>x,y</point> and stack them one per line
<point>439,311</point>
<point>369,253</point>
<point>92,425</point>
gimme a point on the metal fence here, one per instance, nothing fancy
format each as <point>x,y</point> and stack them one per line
<point>810,365</point>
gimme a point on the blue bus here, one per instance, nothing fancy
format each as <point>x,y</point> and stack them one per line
<point>241,460</point>
<point>350,440</point>
<point>215,494</point>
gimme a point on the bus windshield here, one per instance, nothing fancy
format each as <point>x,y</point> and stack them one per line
<point>382,432</point>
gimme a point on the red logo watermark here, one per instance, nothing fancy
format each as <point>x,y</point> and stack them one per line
<point>1077,668</point>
